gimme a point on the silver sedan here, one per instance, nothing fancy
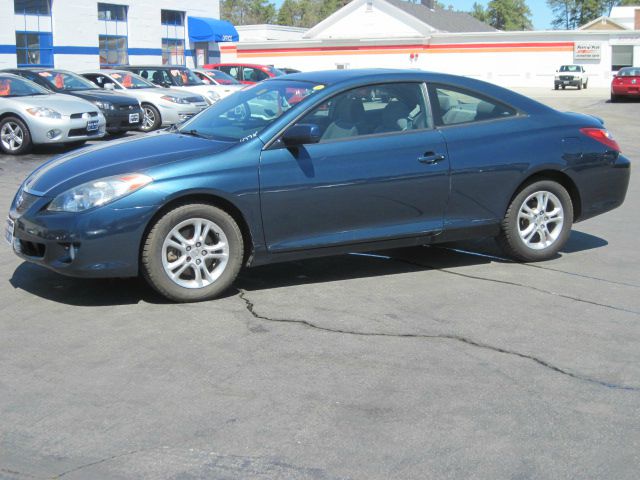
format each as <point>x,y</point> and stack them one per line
<point>31,115</point>
<point>160,106</point>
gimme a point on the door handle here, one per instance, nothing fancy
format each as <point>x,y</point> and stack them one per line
<point>431,157</point>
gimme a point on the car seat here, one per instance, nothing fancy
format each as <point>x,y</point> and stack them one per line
<point>157,78</point>
<point>348,112</point>
<point>395,118</point>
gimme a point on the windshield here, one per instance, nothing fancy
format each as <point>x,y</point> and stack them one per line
<point>66,81</point>
<point>17,87</point>
<point>569,68</point>
<point>131,80</point>
<point>241,116</point>
<point>222,78</point>
<point>184,77</point>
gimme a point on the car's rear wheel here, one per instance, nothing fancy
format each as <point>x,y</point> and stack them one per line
<point>538,222</point>
<point>151,119</point>
<point>15,138</point>
<point>192,253</point>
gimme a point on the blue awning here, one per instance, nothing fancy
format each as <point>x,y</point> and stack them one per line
<point>203,29</point>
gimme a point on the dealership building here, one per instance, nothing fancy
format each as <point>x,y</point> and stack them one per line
<point>80,34</point>
<point>401,34</point>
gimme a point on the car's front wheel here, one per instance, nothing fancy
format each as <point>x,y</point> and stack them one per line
<point>151,119</point>
<point>15,138</point>
<point>192,253</point>
<point>538,222</point>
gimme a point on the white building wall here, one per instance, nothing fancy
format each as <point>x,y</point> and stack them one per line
<point>76,29</point>
<point>7,34</point>
<point>259,33</point>
<point>511,59</point>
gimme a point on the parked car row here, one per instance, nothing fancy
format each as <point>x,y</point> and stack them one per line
<point>625,83</point>
<point>36,108</point>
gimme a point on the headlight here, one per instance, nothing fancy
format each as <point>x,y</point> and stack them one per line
<point>171,98</point>
<point>98,192</point>
<point>213,95</point>
<point>104,105</point>
<point>44,112</point>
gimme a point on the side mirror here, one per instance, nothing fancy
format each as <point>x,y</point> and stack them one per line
<point>109,86</point>
<point>301,134</point>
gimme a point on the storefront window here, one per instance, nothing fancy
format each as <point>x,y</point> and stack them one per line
<point>32,7</point>
<point>172,51</point>
<point>34,49</point>
<point>107,11</point>
<point>113,50</point>
<point>621,56</point>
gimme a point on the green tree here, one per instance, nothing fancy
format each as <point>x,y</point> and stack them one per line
<point>479,12</point>
<point>509,15</point>
<point>572,14</point>
<point>247,12</point>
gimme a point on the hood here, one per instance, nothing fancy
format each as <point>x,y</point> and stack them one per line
<point>104,96</point>
<point>64,104</point>
<point>117,158</point>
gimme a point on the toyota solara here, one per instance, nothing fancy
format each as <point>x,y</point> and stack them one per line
<point>314,164</point>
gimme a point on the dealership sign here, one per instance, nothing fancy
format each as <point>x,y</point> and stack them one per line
<point>586,51</point>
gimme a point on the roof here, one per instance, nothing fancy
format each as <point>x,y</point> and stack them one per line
<point>441,19</point>
<point>605,21</point>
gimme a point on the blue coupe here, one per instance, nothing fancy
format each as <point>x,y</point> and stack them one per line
<point>315,164</point>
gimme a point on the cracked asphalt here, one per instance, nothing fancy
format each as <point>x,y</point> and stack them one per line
<point>428,362</point>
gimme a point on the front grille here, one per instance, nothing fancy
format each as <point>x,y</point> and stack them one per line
<point>31,249</point>
<point>195,99</point>
<point>566,77</point>
<point>79,115</point>
<point>81,132</point>
<point>24,201</point>
<point>124,108</point>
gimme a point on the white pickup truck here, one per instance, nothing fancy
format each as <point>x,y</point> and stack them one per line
<point>571,75</point>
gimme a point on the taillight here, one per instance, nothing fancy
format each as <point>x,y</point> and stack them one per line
<point>603,136</point>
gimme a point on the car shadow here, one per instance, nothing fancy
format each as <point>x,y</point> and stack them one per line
<point>49,285</point>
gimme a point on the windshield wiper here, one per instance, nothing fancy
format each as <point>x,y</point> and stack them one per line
<point>195,133</point>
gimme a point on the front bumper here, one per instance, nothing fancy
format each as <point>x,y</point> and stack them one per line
<point>177,113</point>
<point>123,120</point>
<point>50,131</point>
<point>567,83</point>
<point>100,243</point>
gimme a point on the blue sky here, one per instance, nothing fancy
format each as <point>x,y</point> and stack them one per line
<point>540,13</point>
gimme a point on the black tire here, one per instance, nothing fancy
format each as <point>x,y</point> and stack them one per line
<point>586,84</point>
<point>555,87</point>
<point>580,85</point>
<point>153,254</point>
<point>563,87</point>
<point>614,98</point>
<point>18,127</point>
<point>511,241</point>
<point>149,109</point>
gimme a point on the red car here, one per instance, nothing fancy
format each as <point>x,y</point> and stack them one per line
<point>247,73</point>
<point>626,83</point>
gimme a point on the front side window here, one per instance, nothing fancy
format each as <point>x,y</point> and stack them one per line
<point>184,77</point>
<point>111,12</point>
<point>32,7</point>
<point>34,49</point>
<point>230,70</point>
<point>131,80</point>
<point>452,106</point>
<point>172,51</point>
<point>113,50</point>
<point>243,115</point>
<point>17,87</point>
<point>254,75</point>
<point>370,110</point>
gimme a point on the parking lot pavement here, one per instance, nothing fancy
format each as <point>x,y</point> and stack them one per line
<point>410,364</point>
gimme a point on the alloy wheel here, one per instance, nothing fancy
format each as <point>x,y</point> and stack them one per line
<point>195,253</point>
<point>148,119</point>
<point>12,136</point>
<point>540,220</point>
